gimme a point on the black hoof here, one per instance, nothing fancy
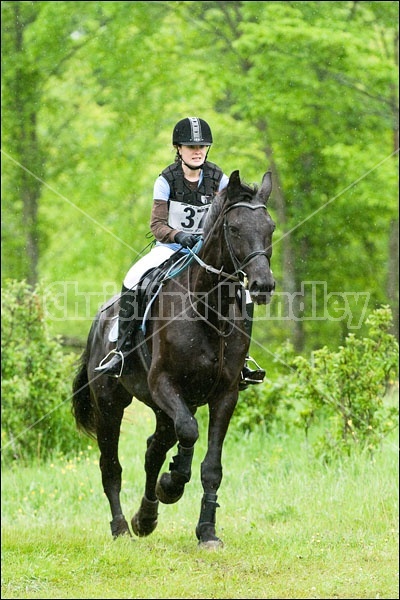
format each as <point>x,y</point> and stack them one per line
<point>167,490</point>
<point>119,527</point>
<point>145,520</point>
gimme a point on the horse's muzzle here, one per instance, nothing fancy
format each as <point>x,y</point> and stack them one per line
<point>261,293</point>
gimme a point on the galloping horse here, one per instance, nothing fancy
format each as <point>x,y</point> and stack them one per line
<point>196,344</point>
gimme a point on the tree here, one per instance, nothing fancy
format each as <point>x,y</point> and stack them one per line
<point>321,79</point>
<point>306,89</point>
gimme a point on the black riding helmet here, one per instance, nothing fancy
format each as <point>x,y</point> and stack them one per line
<point>192,132</point>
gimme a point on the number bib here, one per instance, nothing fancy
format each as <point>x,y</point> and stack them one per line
<point>187,217</point>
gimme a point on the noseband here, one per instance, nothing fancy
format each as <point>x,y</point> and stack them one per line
<point>237,265</point>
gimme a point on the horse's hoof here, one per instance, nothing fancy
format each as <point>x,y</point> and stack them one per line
<point>143,527</point>
<point>119,527</point>
<point>145,520</point>
<point>216,544</point>
<point>167,491</point>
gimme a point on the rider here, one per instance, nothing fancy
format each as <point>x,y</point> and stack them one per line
<point>182,195</point>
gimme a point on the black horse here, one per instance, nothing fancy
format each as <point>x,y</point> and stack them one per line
<point>194,349</point>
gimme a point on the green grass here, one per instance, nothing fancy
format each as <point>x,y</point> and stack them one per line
<point>292,528</point>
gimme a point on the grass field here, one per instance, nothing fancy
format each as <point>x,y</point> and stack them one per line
<point>292,528</point>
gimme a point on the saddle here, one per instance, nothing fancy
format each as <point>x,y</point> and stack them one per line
<point>148,288</point>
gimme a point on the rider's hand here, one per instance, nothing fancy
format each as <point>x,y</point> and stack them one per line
<point>186,240</point>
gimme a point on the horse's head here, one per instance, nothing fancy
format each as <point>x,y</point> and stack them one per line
<point>248,230</point>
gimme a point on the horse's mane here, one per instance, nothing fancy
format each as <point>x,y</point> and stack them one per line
<point>216,209</point>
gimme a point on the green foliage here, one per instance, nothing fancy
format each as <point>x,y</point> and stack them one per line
<point>268,406</point>
<point>344,391</point>
<point>36,379</point>
<point>258,406</point>
<point>87,127</point>
<point>338,398</point>
<point>87,124</point>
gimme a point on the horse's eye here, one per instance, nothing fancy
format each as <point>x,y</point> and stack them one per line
<point>234,230</point>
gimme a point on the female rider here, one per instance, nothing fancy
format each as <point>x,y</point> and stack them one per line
<point>182,195</point>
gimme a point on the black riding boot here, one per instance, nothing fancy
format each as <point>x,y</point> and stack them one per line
<point>127,309</point>
<point>250,376</point>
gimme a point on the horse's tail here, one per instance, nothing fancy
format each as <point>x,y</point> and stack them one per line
<point>82,406</point>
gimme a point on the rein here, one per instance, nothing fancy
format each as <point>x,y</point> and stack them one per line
<point>237,265</point>
<point>237,276</point>
<point>211,269</point>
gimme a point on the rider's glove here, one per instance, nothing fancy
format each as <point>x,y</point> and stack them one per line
<point>186,240</point>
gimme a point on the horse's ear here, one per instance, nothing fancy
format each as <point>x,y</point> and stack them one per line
<point>266,187</point>
<point>234,184</point>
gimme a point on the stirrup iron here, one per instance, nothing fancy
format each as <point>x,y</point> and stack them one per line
<point>114,351</point>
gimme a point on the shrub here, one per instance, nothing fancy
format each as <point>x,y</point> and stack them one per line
<point>344,391</point>
<point>338,398</point>
<point>269,404</point>
<point>36,380</point>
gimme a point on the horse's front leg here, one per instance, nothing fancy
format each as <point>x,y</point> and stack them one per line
<point>145,520</point>
<point>170,487</point>
<point>211,469</point>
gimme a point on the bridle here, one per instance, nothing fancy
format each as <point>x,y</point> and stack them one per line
<point>238,274</point>
<point>238,266</point>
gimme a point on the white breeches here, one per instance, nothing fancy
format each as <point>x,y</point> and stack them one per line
<point>155,257</point>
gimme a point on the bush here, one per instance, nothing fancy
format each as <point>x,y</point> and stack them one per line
<point>268,405</point>
<point>36,380</point>
<point>345,390</point>
<point>338,398</point>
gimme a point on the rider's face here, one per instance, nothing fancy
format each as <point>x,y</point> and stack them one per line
<point>194,155</point>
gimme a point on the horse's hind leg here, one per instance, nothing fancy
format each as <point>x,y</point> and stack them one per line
<point>108,432</point>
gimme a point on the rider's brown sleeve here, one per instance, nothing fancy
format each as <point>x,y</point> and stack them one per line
<point>159,223</point>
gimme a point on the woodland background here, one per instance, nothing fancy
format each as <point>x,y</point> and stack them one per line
<point>91,92</point>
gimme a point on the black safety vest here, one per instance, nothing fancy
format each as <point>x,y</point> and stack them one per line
<point>180,191</point>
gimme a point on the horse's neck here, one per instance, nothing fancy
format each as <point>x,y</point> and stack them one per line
<point>218,292</point>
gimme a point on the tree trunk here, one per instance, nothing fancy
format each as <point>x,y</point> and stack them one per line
<point>23,102</point>
<point>289,284</point>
